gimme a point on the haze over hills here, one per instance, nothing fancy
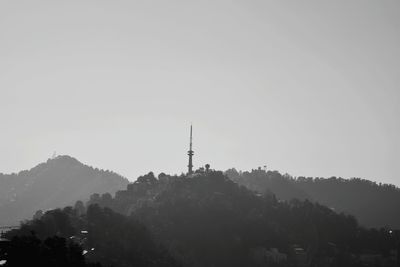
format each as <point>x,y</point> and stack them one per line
<point>56,183</point>
<point>374,205</point>
<point>63,180</point>
<point>205,219</point>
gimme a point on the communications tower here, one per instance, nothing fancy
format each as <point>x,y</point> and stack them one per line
<point>190,154</point>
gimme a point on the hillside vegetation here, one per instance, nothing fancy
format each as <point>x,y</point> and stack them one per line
<point>374,205</point>
<point>208,220</point>
<point>56,183</point>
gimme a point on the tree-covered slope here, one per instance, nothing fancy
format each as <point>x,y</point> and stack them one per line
<point>56,183</point>
<point>100,235</point>
<point>208,220</point>
<point>374,205</point>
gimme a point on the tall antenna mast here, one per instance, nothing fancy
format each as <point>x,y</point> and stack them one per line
<point>191,136</point>
<point>190,153</point>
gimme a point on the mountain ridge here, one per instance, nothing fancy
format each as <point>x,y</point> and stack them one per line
<point>64,179</point>
<point>373,204</point>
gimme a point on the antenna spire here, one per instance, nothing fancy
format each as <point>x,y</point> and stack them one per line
<point>190,152</point>
<point>191,132</point>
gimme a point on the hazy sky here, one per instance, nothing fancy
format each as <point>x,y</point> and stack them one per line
<point>310,88</point>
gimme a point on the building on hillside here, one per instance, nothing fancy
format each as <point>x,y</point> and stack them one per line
<point>265,257</point>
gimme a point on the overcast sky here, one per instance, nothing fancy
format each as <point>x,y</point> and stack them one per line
<point>311,88</point>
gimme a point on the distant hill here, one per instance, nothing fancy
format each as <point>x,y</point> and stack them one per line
<point>374,205</point>
<point>56,183</point>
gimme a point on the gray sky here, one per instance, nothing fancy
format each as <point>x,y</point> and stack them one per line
<point>305,87</point>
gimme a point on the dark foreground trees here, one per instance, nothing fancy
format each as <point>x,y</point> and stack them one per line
<point>99,235</point>
<point>29,250</point>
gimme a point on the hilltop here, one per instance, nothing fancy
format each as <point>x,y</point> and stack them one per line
<point>56,183</point>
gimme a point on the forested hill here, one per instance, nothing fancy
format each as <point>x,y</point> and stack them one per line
<point>56,183</point>
<point>374,205</point>
<point>206,219</point>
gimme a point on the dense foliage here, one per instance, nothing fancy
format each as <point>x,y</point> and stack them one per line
<point>206,219</point>
<point>209,220</point>
<point>29,250</point>
<point>374,205</point>
<point>106,237</point>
